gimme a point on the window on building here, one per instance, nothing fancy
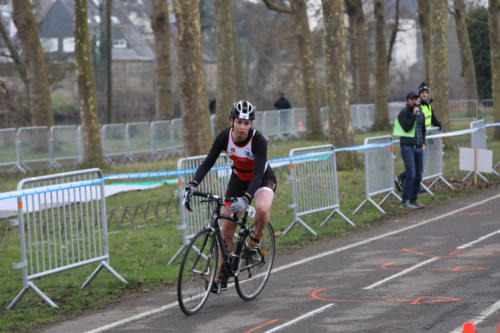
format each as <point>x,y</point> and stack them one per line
<point>49,44</point>
<point>120,43</point>
<point>69,45</point>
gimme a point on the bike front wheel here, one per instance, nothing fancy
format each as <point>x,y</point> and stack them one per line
<point>255,266</point>
<point>197,272</point>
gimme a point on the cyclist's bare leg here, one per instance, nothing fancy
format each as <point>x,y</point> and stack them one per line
<point>263,202</point>
<point>228,229</point>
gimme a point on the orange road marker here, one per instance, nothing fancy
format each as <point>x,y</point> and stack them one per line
<point>469,328</point>
<point>418,300</point>
<point>262,325</point>
<point>452,269</point>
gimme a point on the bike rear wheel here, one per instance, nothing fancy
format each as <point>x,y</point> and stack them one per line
<point>254,270</point>
<point>197,272</point>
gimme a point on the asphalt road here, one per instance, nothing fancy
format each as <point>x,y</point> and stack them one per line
<point>430,270</point>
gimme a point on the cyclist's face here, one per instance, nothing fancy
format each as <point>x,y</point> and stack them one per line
<point>241,128</point>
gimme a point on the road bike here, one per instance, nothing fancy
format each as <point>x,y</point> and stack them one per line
<point>250,268</point>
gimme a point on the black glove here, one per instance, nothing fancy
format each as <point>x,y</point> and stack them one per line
<point>189,190</point>
<point>239,204</point>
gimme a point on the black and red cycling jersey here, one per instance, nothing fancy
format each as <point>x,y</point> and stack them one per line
<point>249,157</point>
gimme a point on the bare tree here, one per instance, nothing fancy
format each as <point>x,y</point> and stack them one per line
<point>225,62</point>
<point>38,82</point>
<point>423,18</point>
<point>13,54</point>
<point>439,60</point>
<point>494,30</point>
<point>191,80</point>
<point>465,51</point>
<point>394,33</point>
<point>339,119</point>
<point>92,149</point>
<point>362,66</point>
<point>163,70</point>
<point>303,34</point>
<point>381,119</point>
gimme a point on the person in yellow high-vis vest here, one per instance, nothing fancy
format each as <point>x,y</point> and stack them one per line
<point>425,104</point>
<point>430,121</point>
<point>410,127</point>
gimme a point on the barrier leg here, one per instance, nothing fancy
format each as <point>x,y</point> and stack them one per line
<point>372,202</point>
<point>299,220</point>
<point>427,189</point>
<point>177,254</point>
<point>96,271</point>
<point>467,176</point>
<point>36,290</point>
<point>345,217</point>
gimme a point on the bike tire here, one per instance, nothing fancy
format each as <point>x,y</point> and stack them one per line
<point>253,274</point>
<point>197,272</point>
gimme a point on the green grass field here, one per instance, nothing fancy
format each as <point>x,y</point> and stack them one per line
<point>141,255</point>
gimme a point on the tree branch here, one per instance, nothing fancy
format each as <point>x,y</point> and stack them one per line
<point>276,8</point>
<point>14,56</point>
<point>393,34</point>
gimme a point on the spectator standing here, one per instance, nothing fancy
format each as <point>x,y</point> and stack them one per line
<point>410,126</point>
<point>212,105</point>
<point>430,121</point>
<point>281,104</point>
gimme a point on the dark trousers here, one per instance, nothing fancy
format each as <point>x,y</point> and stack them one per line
<point>413,158</point>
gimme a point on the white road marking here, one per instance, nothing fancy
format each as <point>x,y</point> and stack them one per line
<point>480,317</point>
<point>303,261</point>
<point>304,316</point>
<point>408,270</point>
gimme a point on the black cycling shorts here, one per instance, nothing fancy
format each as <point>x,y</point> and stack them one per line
<point>237,187</point>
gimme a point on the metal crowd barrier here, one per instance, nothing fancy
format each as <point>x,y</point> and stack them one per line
<point>113,142</point>
<point>8,152</point>
<point>214,182</point>
<point>379,171</point>
<point>138,139</point>
<point>32,144</point>
<point>64,144</point>
<point>314,185</point>
<point>463,109</point>
<point>162,138</point>
<point>177,136</point>
<point>478,140</point>
<point>62,229</point>
<point>433,160</point>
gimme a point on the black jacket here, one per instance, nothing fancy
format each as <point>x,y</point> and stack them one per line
<point>282,103</point>
<point>406,119</point>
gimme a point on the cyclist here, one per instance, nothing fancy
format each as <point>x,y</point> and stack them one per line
<point>251,179</point>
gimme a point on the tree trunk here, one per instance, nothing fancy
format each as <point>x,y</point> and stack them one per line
<point>423,19</point>
<point>394,34</point>
<point>465,51</point>
<point>303,34</point>
<point>38,82</point>
<point>339,119</point>
<point>163,70</point>
<point>191,79</point>
<point>381,119</point>
<point>108,61</point>
<point>92,149</point>
<point>361,45</point>
<point>225,62</point>
<point>353,57</point>
<point>439,62</point>
<point>494,29</point>
<point>240,84</point>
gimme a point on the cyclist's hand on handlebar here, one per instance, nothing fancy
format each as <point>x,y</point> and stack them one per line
<point>239,204</point>
<point>189,194</point>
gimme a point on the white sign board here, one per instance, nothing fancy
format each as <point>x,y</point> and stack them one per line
<point>484,160</point>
